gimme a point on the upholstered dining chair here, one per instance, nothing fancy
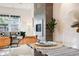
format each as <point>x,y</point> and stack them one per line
<point>4,41</point>
<point>28,40</point>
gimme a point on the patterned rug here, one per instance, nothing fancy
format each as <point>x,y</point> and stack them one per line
<point>62,51</point>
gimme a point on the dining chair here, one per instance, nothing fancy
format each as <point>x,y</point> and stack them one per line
<point>4,41</point>
<point>28,40</point>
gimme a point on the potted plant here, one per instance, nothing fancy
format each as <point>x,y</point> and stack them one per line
<point>50,29</point>
<point>51,24</point>
<point>23,34</point>
<point>76,24</point>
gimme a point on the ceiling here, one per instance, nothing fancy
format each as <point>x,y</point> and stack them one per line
<point>18,5</point>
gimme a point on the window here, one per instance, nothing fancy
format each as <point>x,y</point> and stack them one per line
<point>9,23</point>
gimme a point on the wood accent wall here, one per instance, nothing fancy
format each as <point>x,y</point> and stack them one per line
<point>49,15</point>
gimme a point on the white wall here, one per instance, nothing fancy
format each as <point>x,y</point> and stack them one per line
<point>26,16</point>
<point>64,14</point>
